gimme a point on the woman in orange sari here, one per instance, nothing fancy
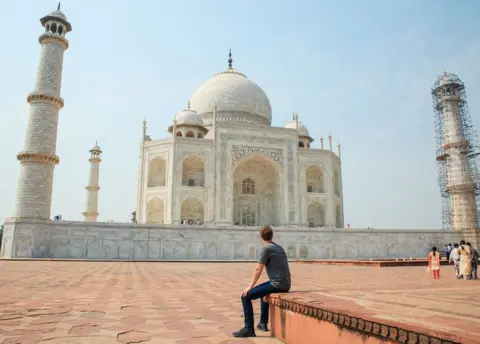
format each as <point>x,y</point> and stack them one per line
<point>434,263</point>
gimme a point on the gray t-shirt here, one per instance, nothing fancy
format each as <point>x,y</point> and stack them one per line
<point>276,263</point>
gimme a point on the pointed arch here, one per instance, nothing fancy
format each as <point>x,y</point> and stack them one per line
<point>192,210</point>
<point>155,211</point>
<point>189,134</point>
<point>314,179</point>
<point>193,171</point>
<point>316,214</point>
<point>157,171</point>
<point>257,191</point>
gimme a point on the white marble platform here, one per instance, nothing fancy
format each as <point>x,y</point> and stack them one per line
<point>88,240</point>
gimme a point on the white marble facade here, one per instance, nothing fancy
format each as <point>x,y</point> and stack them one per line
<point>224,163</point>
<point>224,167</point>
<point>96,240</point>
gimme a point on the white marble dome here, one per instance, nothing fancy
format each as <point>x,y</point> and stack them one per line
<point>302,130</point>
<point>189,117</point>
<point>58,14</point>
<point>96,148</point>
<point>237,98</point>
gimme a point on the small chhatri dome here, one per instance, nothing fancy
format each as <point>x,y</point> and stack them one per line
<point>302,130</point>
<point>237,98</point>
<point>57,15</point>
<point>187,117</point>
<point>96,148</point>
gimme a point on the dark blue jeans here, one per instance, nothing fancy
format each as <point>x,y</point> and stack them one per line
<point>258,292</point>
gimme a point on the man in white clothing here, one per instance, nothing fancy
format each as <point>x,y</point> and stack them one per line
<point>455,258</point>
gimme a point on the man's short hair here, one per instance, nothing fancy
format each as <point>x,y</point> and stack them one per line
<point>266,233</point>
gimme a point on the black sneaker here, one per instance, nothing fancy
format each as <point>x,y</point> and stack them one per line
<point>262,327</point>
<point>244,333</point>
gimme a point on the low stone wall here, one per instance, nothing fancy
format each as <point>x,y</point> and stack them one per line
<point>297,322</point>
<point>93,240</point>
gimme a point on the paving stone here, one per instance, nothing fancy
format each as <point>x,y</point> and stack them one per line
<point>171,303</point>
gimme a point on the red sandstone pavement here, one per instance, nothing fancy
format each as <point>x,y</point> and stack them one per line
<point>199,303</point>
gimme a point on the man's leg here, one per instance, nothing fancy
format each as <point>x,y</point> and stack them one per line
<point>264,310</point>
<point>259,291</point>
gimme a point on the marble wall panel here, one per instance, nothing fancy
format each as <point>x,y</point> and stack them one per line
<point>154,249</point>
<point>239,250</point>
<point>23,246</point>
<point>211,250</point>
<point>197,250</point>
<point>168,249</point>
<point>109,249</point>
<point>60,248</point>
<point>225,248</point>
<point>140,249</point>
<point>77,248</point>
<point>124,249</point>
<point>94,248</point>
<point>182,250</point>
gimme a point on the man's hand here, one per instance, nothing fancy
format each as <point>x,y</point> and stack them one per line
<point>245,291</point>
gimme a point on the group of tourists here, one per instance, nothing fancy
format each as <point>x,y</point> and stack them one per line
<point>464,257</point>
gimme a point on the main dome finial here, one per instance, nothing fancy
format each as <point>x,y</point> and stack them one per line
<point>230,59</point>
<point>58,7</point>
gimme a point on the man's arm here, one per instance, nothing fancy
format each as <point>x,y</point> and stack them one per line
<point>256,274</point>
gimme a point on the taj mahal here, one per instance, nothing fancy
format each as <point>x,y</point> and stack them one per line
<point>225,164</point>
<point>203,191</point>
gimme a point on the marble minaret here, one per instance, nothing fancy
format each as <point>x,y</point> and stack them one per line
<point>38,158</point>
<point>91,203</point>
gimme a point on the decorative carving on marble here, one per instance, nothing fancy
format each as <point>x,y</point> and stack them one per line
<point>223,146</point>
<point>162,155</point>
<point>200,154</point>
<point>202,196</point>
<point>239,152</point>
<point>310,162</point>
<point>232,116</point>
<point>290,183</point>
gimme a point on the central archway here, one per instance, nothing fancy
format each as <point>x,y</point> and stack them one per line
<point>257,190</point>
<point>316,215</point>
<point>192,211</point>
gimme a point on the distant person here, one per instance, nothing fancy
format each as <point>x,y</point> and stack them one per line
<point>475,257</point>
<point>274,259</point>
<point>455,259</point>
<point>465,252</point>
<point>447,252</point>
<point>434,263</point>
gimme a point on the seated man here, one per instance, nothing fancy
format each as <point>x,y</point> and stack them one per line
<point>274,258</point>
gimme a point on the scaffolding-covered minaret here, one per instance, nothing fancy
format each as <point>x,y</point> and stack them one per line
<point>457,152</point>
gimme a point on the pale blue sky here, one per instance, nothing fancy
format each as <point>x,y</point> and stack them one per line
<point>361,70</point>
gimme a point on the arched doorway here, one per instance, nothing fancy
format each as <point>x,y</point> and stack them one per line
<point>316,215</point>
<point>157,170</point>
<point>155,211</point>
<point>193,171</point>
<point>256,192</point>
<point>192,211</point>
<point>314,179</point>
